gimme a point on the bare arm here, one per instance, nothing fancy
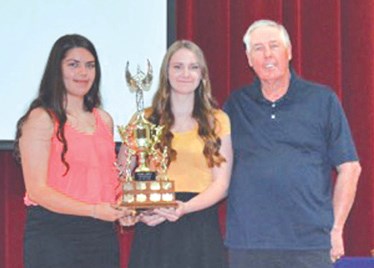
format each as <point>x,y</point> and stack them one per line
<point>216,191</point>
<point>343,198</point>
<point>125,162</point>
<point>35,146</point>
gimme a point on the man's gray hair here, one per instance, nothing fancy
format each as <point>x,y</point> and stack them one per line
<point>261,23</point>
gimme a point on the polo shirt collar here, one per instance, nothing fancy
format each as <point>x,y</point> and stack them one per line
<point>290,94</point>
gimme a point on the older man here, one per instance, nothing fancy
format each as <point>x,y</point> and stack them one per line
<point>288,134</point>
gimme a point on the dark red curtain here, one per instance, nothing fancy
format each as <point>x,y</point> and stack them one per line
<point>12,212</point>
<point>332,44</point>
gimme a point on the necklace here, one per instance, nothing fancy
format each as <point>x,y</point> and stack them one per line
<point>84,123</point>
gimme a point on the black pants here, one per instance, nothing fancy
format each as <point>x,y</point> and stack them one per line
<point>56,240</point>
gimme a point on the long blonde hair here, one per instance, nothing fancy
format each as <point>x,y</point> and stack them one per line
<point>203,110</point>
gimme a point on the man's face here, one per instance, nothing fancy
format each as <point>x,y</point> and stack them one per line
<point>269,56</point>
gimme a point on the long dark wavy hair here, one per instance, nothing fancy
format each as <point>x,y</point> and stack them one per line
<point>203,110</point>
<point>52,91</point>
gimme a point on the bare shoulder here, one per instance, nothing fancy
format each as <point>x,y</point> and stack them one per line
<point>39,116</point>
<point>106,117</point>
<point>38,125</point>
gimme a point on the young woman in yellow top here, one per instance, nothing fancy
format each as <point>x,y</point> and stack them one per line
<point>199,144</point>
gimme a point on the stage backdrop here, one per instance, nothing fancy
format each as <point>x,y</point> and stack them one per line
<point>121,31</point>
<point>332,44</point>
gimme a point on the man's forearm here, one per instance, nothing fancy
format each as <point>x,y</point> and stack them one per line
<point>345,192</point>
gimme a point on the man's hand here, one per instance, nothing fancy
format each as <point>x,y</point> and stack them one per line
<point>337,244</point>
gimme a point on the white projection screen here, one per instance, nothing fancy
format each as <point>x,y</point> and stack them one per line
<point>121,30</point>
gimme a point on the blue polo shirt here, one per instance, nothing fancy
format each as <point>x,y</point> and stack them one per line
<point>280,195</point>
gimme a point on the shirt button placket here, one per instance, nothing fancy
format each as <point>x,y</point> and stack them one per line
<point>272,116</point>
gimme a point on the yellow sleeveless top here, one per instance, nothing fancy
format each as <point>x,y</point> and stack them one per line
<point>190,170</point>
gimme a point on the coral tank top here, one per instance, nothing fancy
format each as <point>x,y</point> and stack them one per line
<point>92,177</point>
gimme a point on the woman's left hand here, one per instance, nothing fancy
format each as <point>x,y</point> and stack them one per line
<point>151,219</point>
<point>172,214</point>
<point>129,218</point>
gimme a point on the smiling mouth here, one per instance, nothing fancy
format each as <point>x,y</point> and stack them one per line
<point>185,82</point>
<point>269,66</point>
<point>81,81</point>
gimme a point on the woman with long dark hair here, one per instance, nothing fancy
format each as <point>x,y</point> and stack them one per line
<point>65,145</point>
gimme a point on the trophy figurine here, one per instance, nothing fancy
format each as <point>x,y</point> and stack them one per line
<point>145,184</point>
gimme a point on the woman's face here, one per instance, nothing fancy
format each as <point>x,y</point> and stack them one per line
<point>184,72</point>
<point>78,71</point>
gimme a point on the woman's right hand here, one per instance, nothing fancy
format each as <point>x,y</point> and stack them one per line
<point>109,212</point>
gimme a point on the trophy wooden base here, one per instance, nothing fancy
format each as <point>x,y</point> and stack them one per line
<point>143,195</point>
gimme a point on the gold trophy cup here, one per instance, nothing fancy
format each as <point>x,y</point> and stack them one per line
<point>145,184</point>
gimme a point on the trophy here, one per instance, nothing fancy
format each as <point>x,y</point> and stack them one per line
<point>144,182</point>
